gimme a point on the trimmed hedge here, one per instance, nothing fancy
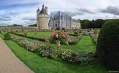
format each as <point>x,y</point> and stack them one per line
<point>7,36</point>
<point>108,45</point>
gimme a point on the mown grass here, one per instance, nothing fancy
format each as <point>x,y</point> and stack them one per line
<point>85,44</point>
<point>1,35</point>
<point>42,34</point>
<point>43,65</point>
<point>38,34</point>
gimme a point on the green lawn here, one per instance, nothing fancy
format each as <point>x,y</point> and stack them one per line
<point>38,34</point>
<point>1,35</point>
<point>85,44</point>
<point>42,34</point>
<point>43,65</point>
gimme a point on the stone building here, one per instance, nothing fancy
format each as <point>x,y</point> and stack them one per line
<point>63,20</point>
<point>42,18</point>
<point>75,24</point>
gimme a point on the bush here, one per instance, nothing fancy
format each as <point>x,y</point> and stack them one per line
<point>46,51</point>
<point>61,36</point>
<point>108,45</point>
<point>57,28</point>
<point>7,36</point>
<point>75,33</point>
<point>78,57</point>
<point>71,57</point>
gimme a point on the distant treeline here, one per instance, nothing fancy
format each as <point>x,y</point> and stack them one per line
<point>33,25</point>
<point>15,25</point>
<point>94,23</point>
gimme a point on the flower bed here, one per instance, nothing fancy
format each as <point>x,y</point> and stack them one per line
<point>81,58</point>
<point>63,37</point>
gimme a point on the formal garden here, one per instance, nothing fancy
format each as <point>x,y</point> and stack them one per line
<point>67,51</point>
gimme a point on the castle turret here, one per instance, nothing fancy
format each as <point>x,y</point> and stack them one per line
<point>38,11</point>
<point>46,8</point>
<point>42,18</point>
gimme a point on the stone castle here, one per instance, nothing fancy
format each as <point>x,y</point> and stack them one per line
<point>63,20</point>
<point>56,20</point>
<point>42,18</point>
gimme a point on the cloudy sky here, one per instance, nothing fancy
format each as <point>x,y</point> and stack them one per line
<point>24,11</point>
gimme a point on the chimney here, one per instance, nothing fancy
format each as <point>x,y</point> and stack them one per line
<point>46,8</point>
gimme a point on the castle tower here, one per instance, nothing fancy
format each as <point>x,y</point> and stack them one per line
<point>42,18</point>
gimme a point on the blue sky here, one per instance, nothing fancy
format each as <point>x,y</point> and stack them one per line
<point>24,11</point>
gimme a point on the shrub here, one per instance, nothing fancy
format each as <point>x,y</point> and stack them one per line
<point>75,33</point>
<point>25,33</point>
<point>46,51</point>
<point>108,45</point>
<point>71,57</point>
<point>57,28</point>
<point>32,45</point>
<point>78,57</point>
<point>61,36</point>
<point>7,36</point>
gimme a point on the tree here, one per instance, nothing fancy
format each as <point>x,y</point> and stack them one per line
<point>16,25</point>
<point>98,23</point>
<point>108,45</point>
<point>32,25</point>
<point>85,24</point>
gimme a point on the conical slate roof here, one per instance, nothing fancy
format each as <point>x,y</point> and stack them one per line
<point>38,9</point>
<point>43,10</point>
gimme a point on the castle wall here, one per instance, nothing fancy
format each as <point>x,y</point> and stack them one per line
<point>42,21</point>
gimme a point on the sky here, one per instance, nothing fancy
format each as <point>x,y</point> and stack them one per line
<point>23,12</point>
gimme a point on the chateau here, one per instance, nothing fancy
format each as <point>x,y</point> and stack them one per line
<point>42,18</point>
<point>56,20</point>
<point>63,20</point>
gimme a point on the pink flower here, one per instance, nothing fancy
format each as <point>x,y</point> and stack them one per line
<point>53,33</point>
<point>47,40</point>
<point>58,43</point>
<point>68,39</point>
<point>67,42</point>
<point>56,35</point>
<point>63,35</point>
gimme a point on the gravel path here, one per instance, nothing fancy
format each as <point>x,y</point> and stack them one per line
<point>9,63</point>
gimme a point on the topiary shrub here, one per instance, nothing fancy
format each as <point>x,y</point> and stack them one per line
<point>108,45</point>
<point>7,36</point>
<point>75,33</point>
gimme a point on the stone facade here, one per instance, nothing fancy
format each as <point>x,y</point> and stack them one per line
<point>63,20</point>
<point>42,18</point>
<point>75,24</point>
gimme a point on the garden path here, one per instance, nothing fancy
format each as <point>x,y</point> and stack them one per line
<point>9,63</point>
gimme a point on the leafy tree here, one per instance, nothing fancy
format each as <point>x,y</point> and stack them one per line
<point>16,25</point>
<point>108,44</point>
<point>32,25</point>
<point>85,24</point>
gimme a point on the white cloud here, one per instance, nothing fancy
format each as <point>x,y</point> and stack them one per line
<point>73,6</point>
